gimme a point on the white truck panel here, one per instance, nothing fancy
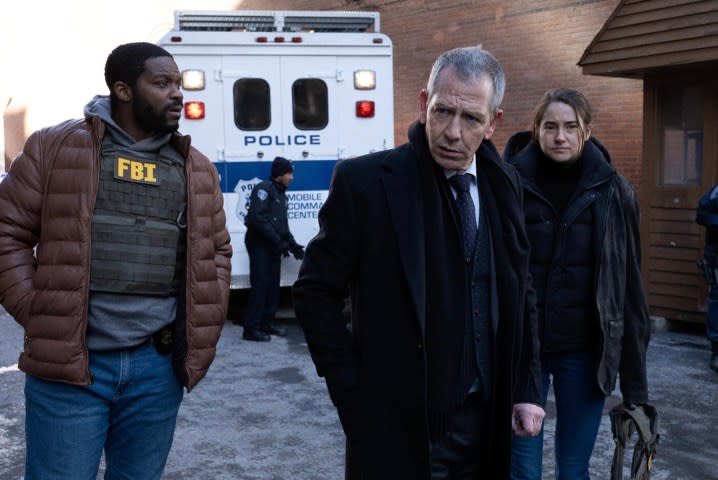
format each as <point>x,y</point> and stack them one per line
<point>315,52</point>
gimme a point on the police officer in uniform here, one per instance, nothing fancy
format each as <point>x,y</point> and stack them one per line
<point>707,215</point>
<point>268,239</point>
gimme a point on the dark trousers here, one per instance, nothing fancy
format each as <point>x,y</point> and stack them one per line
<point>264,264</point>
<point>711,255</point>
<point>456,455</point>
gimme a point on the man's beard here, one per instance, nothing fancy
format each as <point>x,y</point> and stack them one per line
<point>149,119</point>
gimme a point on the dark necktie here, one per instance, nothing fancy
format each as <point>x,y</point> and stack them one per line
<point>467,213</point>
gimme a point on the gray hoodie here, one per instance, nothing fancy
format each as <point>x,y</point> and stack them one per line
<point>114,320</point>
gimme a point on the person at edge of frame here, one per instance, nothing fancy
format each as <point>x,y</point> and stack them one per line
<point>707,216</point>
<point>592,311</point>
<point>115,260</point>
<point>441,362</point>
<point>268,239</point>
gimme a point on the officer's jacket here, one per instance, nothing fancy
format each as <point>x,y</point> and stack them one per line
<point>707,212</point>
<point>47,201</point>
<point>707,215</point>
<point>266,220</point>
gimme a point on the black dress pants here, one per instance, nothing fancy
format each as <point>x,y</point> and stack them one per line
<point>456,455</point>
<point>264,270</point>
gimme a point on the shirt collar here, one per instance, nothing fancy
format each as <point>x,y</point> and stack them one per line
<point>471,170</point>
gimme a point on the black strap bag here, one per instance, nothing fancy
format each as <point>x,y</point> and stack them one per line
<point>643,420</point>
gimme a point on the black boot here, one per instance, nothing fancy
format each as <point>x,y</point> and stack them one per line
<point>255,335</point>
<point>270,329</point>
<point>714,357</point>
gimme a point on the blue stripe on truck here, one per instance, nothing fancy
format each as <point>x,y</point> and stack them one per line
<point>308,174</point>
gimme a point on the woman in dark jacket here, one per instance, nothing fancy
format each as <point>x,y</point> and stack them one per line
<point>582,222</point>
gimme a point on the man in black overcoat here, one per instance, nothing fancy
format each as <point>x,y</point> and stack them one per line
<point>440,361</point>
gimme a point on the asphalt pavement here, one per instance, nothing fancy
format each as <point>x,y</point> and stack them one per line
<point>262,413</point>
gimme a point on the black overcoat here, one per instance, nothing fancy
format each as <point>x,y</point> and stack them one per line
<point>371,246</point>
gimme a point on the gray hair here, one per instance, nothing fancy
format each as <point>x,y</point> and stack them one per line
<point>470,63</point>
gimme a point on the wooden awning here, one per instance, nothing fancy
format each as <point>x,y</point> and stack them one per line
<point>648,35</point>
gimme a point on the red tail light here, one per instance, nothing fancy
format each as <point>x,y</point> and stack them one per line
<point>194,110</point>
<point>365,109</point>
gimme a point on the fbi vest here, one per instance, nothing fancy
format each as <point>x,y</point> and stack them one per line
<point>139,225</point>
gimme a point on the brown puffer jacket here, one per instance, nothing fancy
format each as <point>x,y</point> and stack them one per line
<point>46,205</point>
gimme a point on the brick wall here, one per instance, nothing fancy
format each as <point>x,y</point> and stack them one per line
<point>538,42</point>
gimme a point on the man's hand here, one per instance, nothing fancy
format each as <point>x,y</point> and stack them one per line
<point>526,419</point>
<point>298,251</point>
<point>284,248</point>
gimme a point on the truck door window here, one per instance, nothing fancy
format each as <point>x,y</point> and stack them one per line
<point>310,104</point>
<point>251,104</point>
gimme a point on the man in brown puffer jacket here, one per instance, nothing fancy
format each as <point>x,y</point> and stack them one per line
<point>115,259</point>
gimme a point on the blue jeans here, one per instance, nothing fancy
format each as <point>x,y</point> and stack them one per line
<point>579,406</point>
<point>129,410</point>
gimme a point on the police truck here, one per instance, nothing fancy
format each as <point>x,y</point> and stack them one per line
<point>314,87</point>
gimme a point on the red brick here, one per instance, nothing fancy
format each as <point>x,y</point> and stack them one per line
<point>538,42</point>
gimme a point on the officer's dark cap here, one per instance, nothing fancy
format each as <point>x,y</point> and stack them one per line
<point>280,166</point>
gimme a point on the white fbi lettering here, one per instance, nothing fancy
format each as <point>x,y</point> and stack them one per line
<point>136,171</point>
